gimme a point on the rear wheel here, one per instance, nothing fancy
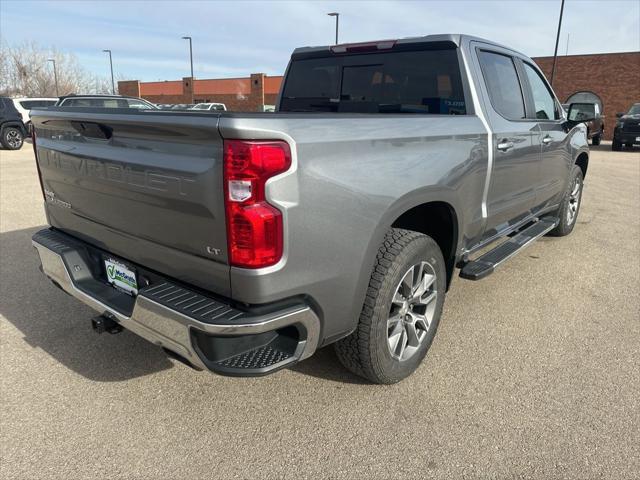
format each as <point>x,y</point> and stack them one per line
<point>570,206</point>
<point>616,146</point>
<point>12,138</point>
<point>401,311</point>
<point>596,139</point>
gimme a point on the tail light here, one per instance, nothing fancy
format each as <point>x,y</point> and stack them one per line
<point>35,154</point>
<point>254,227</point>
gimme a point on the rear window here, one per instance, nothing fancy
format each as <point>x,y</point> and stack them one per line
<point>31,104</point>
<point>427,82</point>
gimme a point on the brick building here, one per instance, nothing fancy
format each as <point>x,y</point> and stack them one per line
<point>247,94</point>
<point>612,77</point>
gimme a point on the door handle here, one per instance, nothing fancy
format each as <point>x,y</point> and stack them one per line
<point>547,140</point>
<point>504,145</point>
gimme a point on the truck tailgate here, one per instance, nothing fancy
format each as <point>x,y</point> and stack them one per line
<point>146,186</point>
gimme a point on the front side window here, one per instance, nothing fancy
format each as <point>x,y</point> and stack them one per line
<point>503,85</point>
<point>543,101</point>
<point>424,81</point>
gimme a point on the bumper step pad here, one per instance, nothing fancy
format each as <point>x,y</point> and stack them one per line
<point>486,264</point>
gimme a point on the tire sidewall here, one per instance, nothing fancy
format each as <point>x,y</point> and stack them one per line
<point>565,228</point>
<point>5,141</point>
<point>420,249</point>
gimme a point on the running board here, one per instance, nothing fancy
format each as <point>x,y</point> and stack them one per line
<point>486,264</point>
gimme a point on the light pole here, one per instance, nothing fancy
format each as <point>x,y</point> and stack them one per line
<point>190,54</point>
<point>337,15</point>
<point>55,74</point>
<point>113,85</point>
<point>555,53</point>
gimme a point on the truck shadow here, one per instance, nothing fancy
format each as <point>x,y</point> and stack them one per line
<point>59,325</point>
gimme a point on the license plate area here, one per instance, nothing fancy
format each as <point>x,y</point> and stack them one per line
<point>121,276</point>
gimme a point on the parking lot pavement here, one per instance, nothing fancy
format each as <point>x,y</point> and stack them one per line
<point>534,373</point>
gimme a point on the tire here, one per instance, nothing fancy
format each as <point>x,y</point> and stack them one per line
<point>616,146</point>
<point>12,138</point>
<point>596,139</point>
<point>628,145</point>
<point>388,319</point>
<point>570,206</point>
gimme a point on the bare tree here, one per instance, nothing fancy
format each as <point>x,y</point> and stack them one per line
<point>25,70</point>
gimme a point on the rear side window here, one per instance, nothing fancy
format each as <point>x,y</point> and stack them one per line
<point>503,85</point>
<point>427,81</point>
<point>545,105</point>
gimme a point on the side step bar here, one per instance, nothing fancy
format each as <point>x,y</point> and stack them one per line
<point>486,264</point>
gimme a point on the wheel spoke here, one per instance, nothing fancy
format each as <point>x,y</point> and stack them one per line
<point>423,287</point>
<point>398,299</point>
<point>413,340</point>
<point>394,323</point>
<point>407,282</point>
<point>401,345</point>
<point>422,322</point>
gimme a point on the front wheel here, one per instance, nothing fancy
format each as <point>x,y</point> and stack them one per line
<point>616,145</point>
<point>570,206</point>
<point>12,138</point>
<point>596,139</point>
<point>401,311</point>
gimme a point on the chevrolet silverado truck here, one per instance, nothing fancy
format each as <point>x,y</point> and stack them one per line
<point>243,242</point>
<point>627,129</point>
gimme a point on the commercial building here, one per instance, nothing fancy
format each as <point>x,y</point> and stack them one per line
<point>248,94</point>
<point>612,79</point>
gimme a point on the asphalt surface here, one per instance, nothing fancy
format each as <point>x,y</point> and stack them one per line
<point>534,373</point>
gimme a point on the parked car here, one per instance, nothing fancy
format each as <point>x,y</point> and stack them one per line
<point>183,106</point>
<point>241,243</point>
<point>24,105</point>
<point>12,128</point>
<point>213,107</point>
<point>627,129</point>
<point>589,114</point>
<point>105,101</point>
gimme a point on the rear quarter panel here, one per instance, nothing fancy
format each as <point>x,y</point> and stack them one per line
<point>352,176</point>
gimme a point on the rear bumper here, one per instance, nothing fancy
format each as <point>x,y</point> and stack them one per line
<point>208,332</point>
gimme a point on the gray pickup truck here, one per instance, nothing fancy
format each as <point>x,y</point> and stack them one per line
<point>242,243</point>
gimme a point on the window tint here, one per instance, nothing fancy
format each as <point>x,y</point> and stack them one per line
<point>138,104</point>
<point>502,82</point>
<point>544,103</point>
<point>426,81</point>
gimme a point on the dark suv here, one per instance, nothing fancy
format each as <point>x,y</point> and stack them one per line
<point>12,129</point>
<point>627,130</point>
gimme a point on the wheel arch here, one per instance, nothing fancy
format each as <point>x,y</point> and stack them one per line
<point>582,160</point>
<point>438,220</point>
<point>19,125</point>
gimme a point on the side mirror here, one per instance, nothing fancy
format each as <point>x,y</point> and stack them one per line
<point>619,114</point>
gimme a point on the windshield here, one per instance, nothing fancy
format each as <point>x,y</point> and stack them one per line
<point>635,110</point>
<point>426,81</point>
<point>201,106</point>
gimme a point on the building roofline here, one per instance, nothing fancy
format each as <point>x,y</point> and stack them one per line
<point>591,54</point>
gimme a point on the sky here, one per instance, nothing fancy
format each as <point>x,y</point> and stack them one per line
<point>236,38</point>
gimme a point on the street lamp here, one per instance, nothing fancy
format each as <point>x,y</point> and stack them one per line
<point>337,15</point>
<point>190,54</point>
<point>113,85</point>
<point>555,53</point>
<point>55,74</point>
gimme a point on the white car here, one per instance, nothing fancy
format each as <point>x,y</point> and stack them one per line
<point>210,106</point>
<point>24,105</point>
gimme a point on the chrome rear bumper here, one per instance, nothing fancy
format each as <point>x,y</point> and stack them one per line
<point>173,316</point>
